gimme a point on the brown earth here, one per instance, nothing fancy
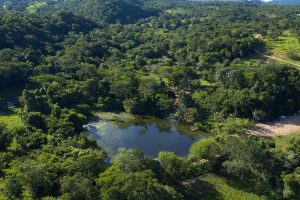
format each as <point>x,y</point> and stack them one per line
<point>287,126</point>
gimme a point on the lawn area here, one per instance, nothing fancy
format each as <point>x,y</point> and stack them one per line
<point>214,187</point>
<point>11,119</point>
<point>282,141</point>
<point>282,46</point>
<point>34,6</point>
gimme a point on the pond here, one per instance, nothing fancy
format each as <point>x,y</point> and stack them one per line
<point>148,134</point>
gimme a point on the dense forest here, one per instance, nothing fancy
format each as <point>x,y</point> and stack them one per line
<point>73,58</point>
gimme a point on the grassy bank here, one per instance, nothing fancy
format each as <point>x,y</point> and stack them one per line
<point>126,119</point>
<point>119,117</point>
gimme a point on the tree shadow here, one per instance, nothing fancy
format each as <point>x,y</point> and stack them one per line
<point>243,185</point>
<point>195,189</point>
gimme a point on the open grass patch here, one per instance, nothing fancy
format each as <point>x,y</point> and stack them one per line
<point>283,47</point>
<point>32,8</point>
<point>110,116</point>
<point>282,142</point>
<point>206,83</point>
<point>11,119</point>
<point>220,188</point>
<point>175,11</point>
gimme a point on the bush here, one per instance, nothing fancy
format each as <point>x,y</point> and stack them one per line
<point>175,166</point>
<point>293,56</point>
<point>5,137</point>
<point>232,126</point>
<point>35,119</point>
<point>206,148</point>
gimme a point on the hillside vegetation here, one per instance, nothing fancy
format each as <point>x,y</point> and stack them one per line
<point>195,62</point>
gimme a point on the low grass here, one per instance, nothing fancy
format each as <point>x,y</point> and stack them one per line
<point>8,115</point>
<point>176,11</point>
<point>282,46</point>
<point>206,83</point>
<point>282,142</point>
<point>11,119</point>
<point>110,116</point>
<point>217,187</point>
<point>32,8</point>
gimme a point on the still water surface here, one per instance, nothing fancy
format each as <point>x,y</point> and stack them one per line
<point>148,134</point>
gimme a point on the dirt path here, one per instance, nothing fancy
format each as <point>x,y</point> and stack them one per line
<point>287,126</point>
<point>278,59</point>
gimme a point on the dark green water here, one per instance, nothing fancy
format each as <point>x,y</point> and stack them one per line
<point>148,134</point>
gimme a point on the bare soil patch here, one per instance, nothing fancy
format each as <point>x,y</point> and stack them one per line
<point>287,126</point>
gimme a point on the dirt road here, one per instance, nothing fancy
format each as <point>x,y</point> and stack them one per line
<point>278,59</point>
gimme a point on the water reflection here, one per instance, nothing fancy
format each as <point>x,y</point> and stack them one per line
<point>148,134</point>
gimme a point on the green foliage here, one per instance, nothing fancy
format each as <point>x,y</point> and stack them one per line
<point>250,160</point>
<point>74,58</point>
<point>5,158</point>
<point>13,74</point>
<point>205,149</point>
<point>135,161</point>
<point>115,184</point>
<point>224,190</point>
<point>89,162</point>
<point>232,126</point>
<point>293,56</point>
<point>11,119</point>
<point>78,187</point>
<point>33,176</point>
<point>124,11</point>
<point>245,156</point>
<point>292,185</point>
<point>32,8</point>
<point>176,167</point>
<point>288,149</point>
<point>285,47</point>
<point>39,174</point>
<point>36,120</point>
<point>5,137</point>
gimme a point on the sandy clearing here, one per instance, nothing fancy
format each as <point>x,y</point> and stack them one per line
<point>287,126</point>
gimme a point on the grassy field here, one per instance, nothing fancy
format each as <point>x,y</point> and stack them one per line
<point>34,6</point>
<point>282,46</point>
<point>214,187</point>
